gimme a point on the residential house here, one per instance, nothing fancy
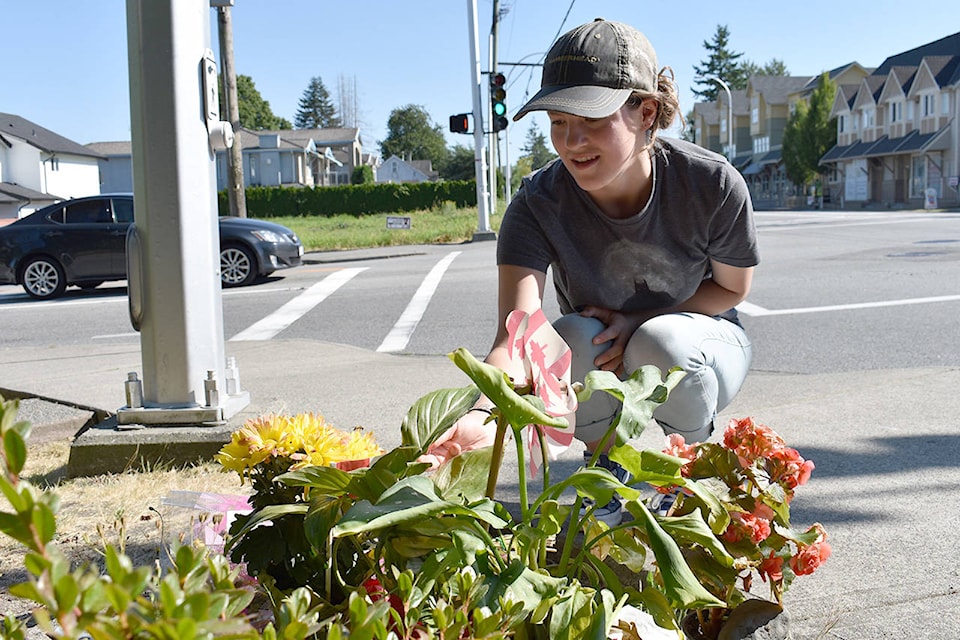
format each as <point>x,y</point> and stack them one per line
<point>760,115</point>
<point>296,157</point>
<point>39,167</point>
<point>115,165</point>
<point>396,169</point>
<point>898,134</point>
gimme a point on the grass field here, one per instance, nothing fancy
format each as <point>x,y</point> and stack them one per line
<point>327,233</point>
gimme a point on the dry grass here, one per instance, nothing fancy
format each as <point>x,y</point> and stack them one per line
<point>126,510</point>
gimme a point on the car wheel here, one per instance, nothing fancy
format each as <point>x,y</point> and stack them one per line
<point>238,267</point>
<point>43,278</point>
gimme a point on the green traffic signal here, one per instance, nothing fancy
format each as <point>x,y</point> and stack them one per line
<point>498,97</point>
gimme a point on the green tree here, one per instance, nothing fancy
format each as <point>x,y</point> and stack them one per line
<point>536,148</point>
<point>316,109</point>
<point>810,133</point>
<point>775,67</point>
<point>362,175</point>
<point>411,136</point>
<point>460,165</point>
<point>255,112</point>
<point>721,63</point>
<point>688,132</point>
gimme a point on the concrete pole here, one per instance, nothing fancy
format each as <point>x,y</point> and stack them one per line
<point>236,195</point>
<point>173,246</point>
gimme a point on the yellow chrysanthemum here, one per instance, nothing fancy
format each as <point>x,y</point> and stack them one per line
<point>305,438</point>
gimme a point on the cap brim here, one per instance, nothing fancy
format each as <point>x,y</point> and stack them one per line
<point>587,101</point>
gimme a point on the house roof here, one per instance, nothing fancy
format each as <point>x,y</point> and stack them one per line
<point>775,89</point>
<point>947,46</point>
<point>119,148</point>
<point>12,192</point>
<point>41,138</point>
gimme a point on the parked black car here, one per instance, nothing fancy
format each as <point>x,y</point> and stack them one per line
<point>82,242</point>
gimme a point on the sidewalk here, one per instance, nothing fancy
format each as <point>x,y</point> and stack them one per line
<point>886,486</point>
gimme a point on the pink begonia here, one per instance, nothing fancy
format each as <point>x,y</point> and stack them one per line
<point>747,525</point>
<point>677,446</point>
<point>772,567</point>
<point>810,557</point>
<point>546,358</point>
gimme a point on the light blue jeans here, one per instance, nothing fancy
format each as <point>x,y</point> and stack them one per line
<point>714,352</point>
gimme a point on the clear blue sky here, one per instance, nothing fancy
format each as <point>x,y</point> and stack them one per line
<point>65,61</point>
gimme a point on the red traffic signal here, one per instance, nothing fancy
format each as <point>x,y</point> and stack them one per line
<point>460,123</point>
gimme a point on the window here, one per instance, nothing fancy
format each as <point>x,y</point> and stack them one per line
<point>928,105</point>
<point>869,114</point>
<point>841,124</point>
<point>945,104</point>
<point>754,115</point>
<point>88,211</point>
<point>123,210</point>
<point>896,111</point>
<point>761,144</point>
<point>910,111</point>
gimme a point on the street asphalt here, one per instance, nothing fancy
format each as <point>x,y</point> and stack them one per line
<point>885,443</point>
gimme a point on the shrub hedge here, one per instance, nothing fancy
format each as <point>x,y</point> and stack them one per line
<point>359,199</point>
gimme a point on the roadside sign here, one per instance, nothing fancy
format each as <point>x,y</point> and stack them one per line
<point>398,222</point>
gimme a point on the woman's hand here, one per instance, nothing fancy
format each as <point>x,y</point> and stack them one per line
<point>472,431</point>
<point>619,328</point>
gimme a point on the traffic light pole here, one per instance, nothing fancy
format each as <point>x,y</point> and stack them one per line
<point>483,217</point>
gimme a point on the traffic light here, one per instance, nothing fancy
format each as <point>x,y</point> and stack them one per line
<point>498,101</point>
<point>460,123</point>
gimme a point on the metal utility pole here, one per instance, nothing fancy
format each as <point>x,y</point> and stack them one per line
<point>173,263</point>
<point>236,195</point>
<point>483,223</point>
<point>494,138</point>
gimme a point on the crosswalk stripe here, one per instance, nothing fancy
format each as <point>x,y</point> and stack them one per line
<point>293,310</point>
<point>400,334</point>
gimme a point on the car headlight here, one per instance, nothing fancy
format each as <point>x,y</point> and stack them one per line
<point>269,236</point>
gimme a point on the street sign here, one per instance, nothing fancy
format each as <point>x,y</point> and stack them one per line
<point>398,222</point>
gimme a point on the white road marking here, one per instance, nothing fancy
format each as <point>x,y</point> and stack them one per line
<point>293,310</point>
<point>753,310</point>
<point>111,336</point>
<point>400,334</point>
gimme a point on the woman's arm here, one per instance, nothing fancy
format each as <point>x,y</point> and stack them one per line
<point>519,288</point>
<point>726,288</point>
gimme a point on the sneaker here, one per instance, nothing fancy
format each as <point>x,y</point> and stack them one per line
<point>662,504</point>
<point>612,512</point>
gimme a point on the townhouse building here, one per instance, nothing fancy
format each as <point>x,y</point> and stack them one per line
<point>898,136</point>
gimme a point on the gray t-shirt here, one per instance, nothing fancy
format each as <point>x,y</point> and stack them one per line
<point>700,209</point>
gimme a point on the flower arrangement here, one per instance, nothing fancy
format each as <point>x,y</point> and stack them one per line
<point>395,548</point>
<point>346,540</point>
<point>755,475</point>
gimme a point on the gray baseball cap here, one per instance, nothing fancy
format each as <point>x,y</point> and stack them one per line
<point>592,70</point>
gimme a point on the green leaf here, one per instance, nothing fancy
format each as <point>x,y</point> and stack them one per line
<point>519,584</point>
<point>406,501</point>
<point>44,522</point>
<point>17,529</point>
<point>15,449</point>
<point>691,528</point>
<point>266,514</point>
<point>434,413</point>
<point>327,480</point>
<point>640,394</point>
<point>465,475</point>
<point>498,387</point>
<point>680,584</point>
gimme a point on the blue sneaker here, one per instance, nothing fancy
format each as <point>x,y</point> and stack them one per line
<point>612,512</point>
<point>662,503</point>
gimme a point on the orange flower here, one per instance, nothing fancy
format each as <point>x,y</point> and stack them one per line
<point>772,567</point>
<point>810,557</point>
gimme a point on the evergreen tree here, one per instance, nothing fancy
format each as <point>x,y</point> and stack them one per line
<point>774,67</point>
<point>536,148</point>
<point>254,111</point>
<point>722,63</point>
<point>411,136</point>
<point>810,133</point>
<point>316,108</point>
